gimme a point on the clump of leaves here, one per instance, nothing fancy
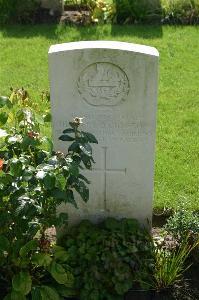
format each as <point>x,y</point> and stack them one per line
<point>34,180</point>
<point>101,11</point>
<point>183,222</point>
<point>180,12</point>
<point>107,258</point>
<point>170,265</point>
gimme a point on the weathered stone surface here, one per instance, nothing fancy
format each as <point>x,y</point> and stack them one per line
<point>113,86</point>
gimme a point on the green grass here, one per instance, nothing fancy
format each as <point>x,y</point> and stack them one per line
<point>23,62</point>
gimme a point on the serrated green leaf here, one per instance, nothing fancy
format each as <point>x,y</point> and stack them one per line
<point>42,259</point>
<point>62,219</point>
<point>60,181</point>
<point>84,178</point>
<point>58,273</point>
<point>22,283</point>
<point>66,137</point>
<point>83,190</point>
<point>28,141</point>
<point>48,143</point>
<point>49,293</point>
<point>29,246</point>
<point>20,115</point>
<point>3,118</point>
<point>74,147</point>
<point>27,174</point>
<point>86,149</point>
<point>69,130</point>
<point>39,119</point>
<point>59,195</point>
<point>47,118</point>
<point>16,167</point>
<point>74,170</point>
<point>49,181</point>
<point>70,198</point>
<point>86,161</point>
<point>60,253</point>
<point>9,104</point>
<point>90,137</point>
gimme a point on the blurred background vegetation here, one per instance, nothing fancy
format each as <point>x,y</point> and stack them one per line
<point>114,11</point>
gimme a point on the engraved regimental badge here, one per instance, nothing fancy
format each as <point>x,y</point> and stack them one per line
<point>103,84</point>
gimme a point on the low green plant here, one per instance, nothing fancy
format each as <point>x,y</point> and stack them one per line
<point>101,11</point>
<point>182,223</point>
<point>34,180</point>
<point>136,11</point>
<point>180,11</point>
<point>107,258</point>
<point>170,265</point>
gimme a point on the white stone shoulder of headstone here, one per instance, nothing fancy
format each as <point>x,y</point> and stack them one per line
<point>113,85</point>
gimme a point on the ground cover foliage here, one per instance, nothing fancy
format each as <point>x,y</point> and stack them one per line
<point>34,180</point>
<point>177,160</point>
<point>157,11</point>
<point>109,258</point>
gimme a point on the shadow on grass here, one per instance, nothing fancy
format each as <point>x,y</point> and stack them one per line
<point>120,31</point>
<point>72,33</point>
<point>140,31</point>
<point>29,31</point>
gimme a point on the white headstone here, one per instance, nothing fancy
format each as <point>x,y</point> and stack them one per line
<point>113,86</point>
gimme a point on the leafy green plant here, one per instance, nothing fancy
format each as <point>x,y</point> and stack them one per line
<point>101,11</point>
<point>35,270</point>
<point>34,180</point>
<point>136,11</point>
<point>184,222</point>
<point>107,258</point>
<point>180,11</point>
<point>170,265</point>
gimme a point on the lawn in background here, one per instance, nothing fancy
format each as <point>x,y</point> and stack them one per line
<point>24,62</point>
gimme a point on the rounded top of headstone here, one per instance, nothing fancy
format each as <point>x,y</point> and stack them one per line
<point>123,46</point>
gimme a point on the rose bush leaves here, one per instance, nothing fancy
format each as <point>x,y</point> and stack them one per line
<point>34,181</point>
<point>22,283</point>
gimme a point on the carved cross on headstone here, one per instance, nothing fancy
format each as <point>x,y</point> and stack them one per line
<point>105,170</point>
